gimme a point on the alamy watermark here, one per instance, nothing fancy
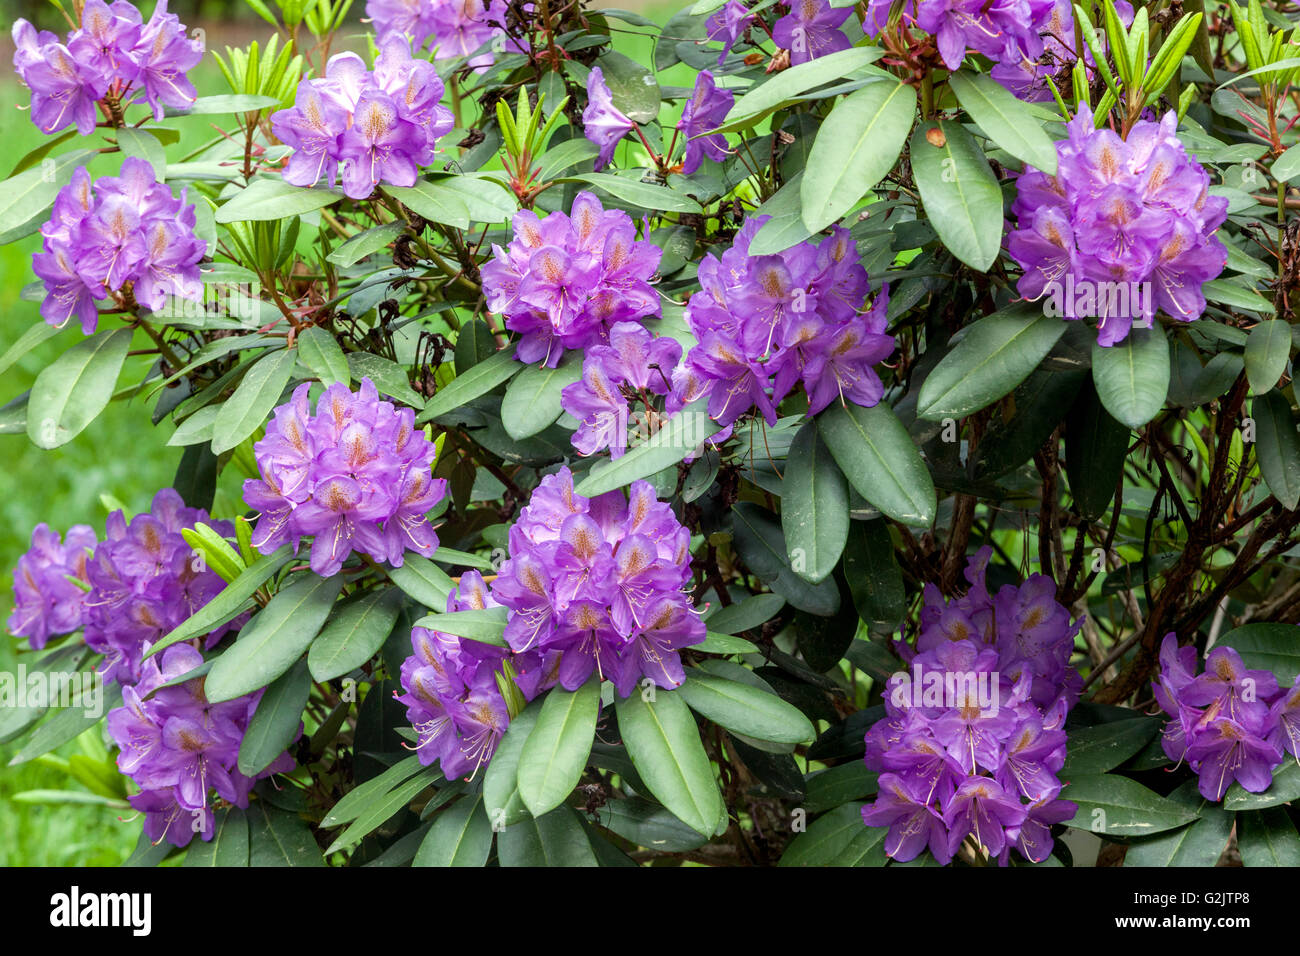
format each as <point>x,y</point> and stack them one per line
<point>61,689</point>
<point>234,300</point>
<point>1086,299</point>
<point>960,690</point>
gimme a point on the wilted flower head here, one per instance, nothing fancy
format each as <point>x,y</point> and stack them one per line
<point>564,280</point>
<point>380,126</point>
<point>973,740</point>
<point>600,580</point>
<point>357,475</point>
<point>48,603</point>
<point>765,323</point>
<point>178,748</point>
<point>126,231</point>
<point>1134,214</point>
<point>146,580</point>
<point>112,54</point>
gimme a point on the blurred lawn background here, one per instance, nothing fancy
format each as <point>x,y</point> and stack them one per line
<point>122,456</point>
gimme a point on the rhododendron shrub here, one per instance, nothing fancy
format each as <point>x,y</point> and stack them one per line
<point>844,435</point>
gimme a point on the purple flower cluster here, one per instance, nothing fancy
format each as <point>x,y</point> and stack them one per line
<point>601,581</point>
<point>357,475</point>
<point>603,123</point>
<point>1002,30</point>
<point>1027,78</point>
<point>454,687</point>
<point>146,580</point>
<point>113,54</point>
<point>380,127</point>
<point>128,232</point>
<point>48,600</point>
<point>811,29</point>
<point>1228,723</point>
<point>1131,214</point>
<point>450,27</point>
<point>704,111</point>
<point>633,365</point>
<point>177,747</point>
<point>764,323</point>
<point>973,739</point>
<point>728,25</point>
<point>565,280</point>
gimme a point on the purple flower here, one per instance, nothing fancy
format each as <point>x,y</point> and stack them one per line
<point>356,476</point>
<point>600,581</point>
<point>602,122</point>
<point>704,111</point>
<point>164,53</point>
<point>565,281</point>
<point>914,823</point>
<point>47,602</point>
<point>728,25</point>
<point>453,27</point>
<point>1126,227</point>
<point>1006,31</point>
<point>811,29</point>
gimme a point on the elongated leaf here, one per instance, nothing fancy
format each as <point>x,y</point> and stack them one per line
<point>1267,646</point>
<point>486,625</point>
<point>255,398</point>
<point>960,192</point>
<point>1007,121</point>
<point>745,709</point>
<point>829,837</point>
<point>229,843</point>
<point>762,547</point>
<point>354,633</point>
<point>421,579</point>
<point>995,355</point>
<point>1198,844</point>
<point>1267,838</point>
<point>875,579</point>
<point>1109,803</point>
<point>532,400</point>
<point>814,506</point>
<point>26,196</point>
<point>389,378</point>
<point>556,751</point>
<point>637,193</point>
<point>71,391</point>
<point>505,807</point>
<point>1285,788</point>
<point>356,800</point>
<point>230,602</point>
<point>320,352</point>
<point>783,87</point>
<point>556,839</point>
<point>144,145</point>
<point>276,721</point>
<point>649,825</point>
<point>855,147</point>
<point>664,744</point>
<point>470,384</point>
<point>750,613</point>
<point>273,198</point>
<point>877,456</point>
<point>1096,749</point>
<point>684,433</point>
<point>434,202</point>
<point>1277,446</point>
<point>68,723</point>
<point>34,336</point>
<point>279,838</point>
<point>1267,349</point>
<point>365,243</point>
<point>228,103</point>
<point>1095,447</point>
<point>381,807</point>
<point>276,637</point>
<point>1132,376</point>
<point>460,836</point>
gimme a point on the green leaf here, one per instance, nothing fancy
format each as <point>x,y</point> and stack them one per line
<point>421,579</point>
<point>761,546</point>
<point>637,193</point>
<point>71,391</point>
<point>1101,747</point>
<point>746,615</point>
<point>715,643</point>
<point>1006,120</point>
<point>856,146</point>
<point>144,145</point>
<point>25,197</point>
<point>279,838</point>
<point>877,456</point>
<point>1267,349</point>
<point>556,751</point>
<point>486,625</point>
<point>381,806</point>
<point>268,199</point>
<point>826,789</point>
<point>649,825</point>
<point>228,603</point>
<point>829,841</point>
<point>1285,788</point>
<point>678,437</point>
<point>1132,376</point>
<point>664,744</point>
<point>276,721</point>
<point>556,839</point>
<point>355,801</point>
<point>365,243</point>
<point>1287,166</point>
<point>875,579</point>
<point>814,506</point>
<point>256,397</point>
<point>1277,445</point>
<point>320,352</point>
<point>34,336</point>
<point>1265,646</point>
<point>632,87</point>
<point>389,378</point>
<point>745,709</point>
<point>1198,844</point>
<point>274,639</point>
<point>1233,294</point>
<point>229,843</point>
<point>995,355</point>
<point>67,723</point>
<point>1267,838</point>
<point>1116,805</point>
<point>532,400</point>
<point>960,192</point>
<point>505,807</point>
<point>354,633</point>
<point>228,103</point>
<point>477,380</point>
<point>460,836</point>
<point>1095,448</point>
<point>784,86</point>
<point>434,202</point>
